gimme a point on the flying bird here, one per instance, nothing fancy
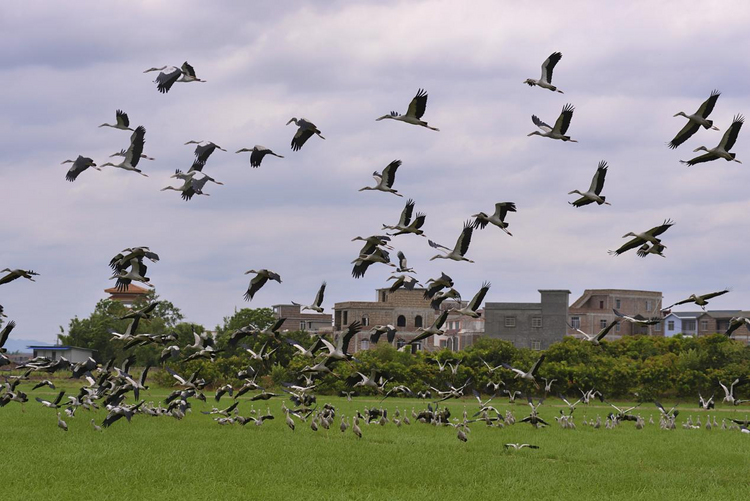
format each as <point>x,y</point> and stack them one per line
<point>80,164</point>
<point>528,375</point>
<point>386,179</point>
<point>404,281</point>
<point>259,280</point>
<point>133,155</point>
<point>405,224</point>
<point>315,306</point>
<point>365,260</point>
<point>414,113</point>
<point>170,74</point>
<point>122,123</point>
<point>403,267</point>
<point>481,220</point>
<point>305,131</point>
<point>470,310</point>
<point>203,150</point>
<point>598,337</point>
<point>646,237</point>
<point>701,301</point>
<point>696,120</point>
<point>594,192</point>
<point>461,247</point>
<point>257,153</point>
<point>722,150</point>
<point>4,333</point>
<point>638,319</point>
<point>735,323</point>
<point>545,81</point>
<point>14,274</point>
<point>560,128</point>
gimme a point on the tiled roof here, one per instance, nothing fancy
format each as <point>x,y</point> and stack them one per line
<point>130,289</point>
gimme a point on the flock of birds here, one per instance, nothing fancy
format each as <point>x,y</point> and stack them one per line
<point>109,385</point>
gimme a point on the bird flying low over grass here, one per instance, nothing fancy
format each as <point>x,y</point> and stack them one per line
<point>595,339</point>
<point>722,150</point>
<point>414,114</point>
<point>548,66</point>
<point>696,120</point>
<point>646,237</point>
<point>529,375</point>
<point>594,192</point>
<point>560,128</point>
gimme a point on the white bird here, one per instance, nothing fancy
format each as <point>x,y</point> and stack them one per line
<point>471,308</point>
<point>722,150</point>
<point>638,319</point>
<point>497,218</point>
<point>379,255</point>
<point>259,280</point>
<point>14,274</point>
<point>386,179</point>
<point>595,339</point>
<point>560,128</point>
<point>735,323</point>
<point>257,153</point>
<point>170,74</point>
<point>594,191</point>
<point>701,301</point>
<point>414,113</point>
<point>545,81</point>
<point>123,152</point>
<point>315,306</point>
<point>729,392</point>
<point>641,238</point>
<point>305,131</point>
<point>520,446</point>
<point>122,123</point>
<point>80,164</point>
<point>405,224</point>
<point>696,120</point>
<point>402,265</point>
<point>461,247</point>
<point>133,155</point>
<point>529,376</point>
<point>404,281</point>
<point>137,272</point>
<point>436,329</point>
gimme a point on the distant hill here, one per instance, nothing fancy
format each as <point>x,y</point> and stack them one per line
<point>20,344</point>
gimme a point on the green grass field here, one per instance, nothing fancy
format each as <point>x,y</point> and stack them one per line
<point>196,458</point>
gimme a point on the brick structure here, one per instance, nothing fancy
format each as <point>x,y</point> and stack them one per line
<point>529,325</point>
<point>405,310</point>
<point>593,310</point>
<point>299,321</point>
<point>128,296</point>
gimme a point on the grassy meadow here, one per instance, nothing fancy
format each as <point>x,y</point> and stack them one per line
<point>197,459</point>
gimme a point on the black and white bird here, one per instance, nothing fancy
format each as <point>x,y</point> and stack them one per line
<point>379,330</point>
<point>436,329</point>
<point>257,154</point>
<point>305,130</point>
<point>722,150</point>
<point>52,404</point>
<point>696,120</point>
<point>361,263</point>
<point>527,375</point>
<point>170,74</point>
<point>405,224</point>
<point>80,164</point>
<point>481,220</point>
<point>435,285</point>
<point>386,179</point>
<point>315,306</point>
<point>4,333</point>
<point>518,447</point>
<point>470,310</point>
<point>598,337</point>
<point>133,154</point>
<point>729,392</point>
<point>460,249</point>
<point>259,280</point>
<point>122,123</point>
<point>14,274</point>
<point>137,272</point>
<point>594,192</point>
<point>646,237</point>
<point>548,66</point>
<point>735,323</point>
<point>560,128</point>
<point>638,319</point>
<point>414,113</point>
<point>701,301</point>
<point>405,281</point>
<point>203,150</point>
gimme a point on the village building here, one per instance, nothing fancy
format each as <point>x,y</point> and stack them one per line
<point>296,320</point>
<point>594,310</point>
<point>529,325</point>
<point>72,354</point>
<point>128,296</point>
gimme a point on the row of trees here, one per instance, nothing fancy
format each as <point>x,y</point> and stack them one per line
<point>640,367</point>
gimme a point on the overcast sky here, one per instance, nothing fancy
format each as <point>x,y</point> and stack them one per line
<point>627,68</point>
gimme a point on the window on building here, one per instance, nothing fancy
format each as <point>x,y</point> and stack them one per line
<point>455,344</point>
<point>364,344</point>
<point>302,325</point>
<point>536,322</point>
<point>670,325</point>
<point>510,321</point>
<point>345,318</point>
<point>536,345</point>
<point>704,325</point>
<point>444,343</point>
<point>365,321</point>
<point>400,343</point>
<point>618,304</point>
<point>54,355</point>
<point>401,321</point>
<point>657,327</point>
<point>383,296</point>
<point>417,346</point>
<point>309,325</point>
<point>418,321</point>
<point>601,305</point>
<point>575,322</point>
<point>617,328</point>
<point>602,323</point>
<point>688,326</point>
<point>649,304</point>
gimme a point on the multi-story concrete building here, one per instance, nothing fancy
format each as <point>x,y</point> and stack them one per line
<point>296,320</point>
<point>593,311</point>
<point>405,310</point>
<point>460,331</point>
<point>529,325</point>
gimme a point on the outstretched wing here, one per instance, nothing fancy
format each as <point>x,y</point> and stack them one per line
<point>549,65</point>
<point>319,296</point>
<point>730,136</point>
<point>418,104</point>
<point>685,133</point>
<point>389,173</point>
<point>462,244</point>
<point>538,122</point>
<point>708,105</point>
<point>597,183</point>
<point>563,121</point>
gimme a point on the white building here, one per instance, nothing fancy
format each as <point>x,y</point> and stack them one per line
<point>72,354</point>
